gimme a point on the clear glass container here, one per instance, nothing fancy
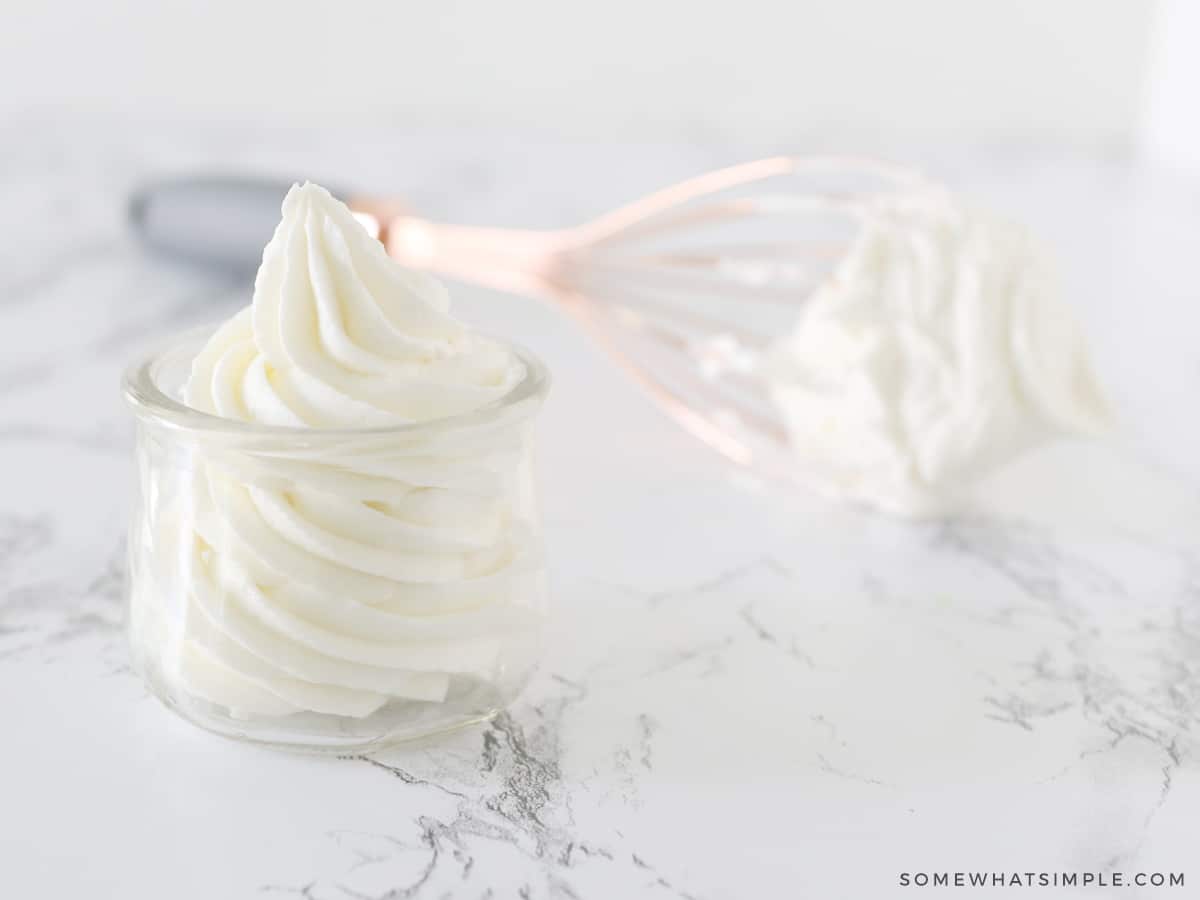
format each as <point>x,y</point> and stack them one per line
<point>333,590</point>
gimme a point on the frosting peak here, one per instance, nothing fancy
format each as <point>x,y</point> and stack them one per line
<point>339,335</point>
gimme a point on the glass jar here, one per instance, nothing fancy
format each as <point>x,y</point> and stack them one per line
<point>333,590</point>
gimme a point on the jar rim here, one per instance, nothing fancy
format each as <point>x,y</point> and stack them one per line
<point>151,403</point>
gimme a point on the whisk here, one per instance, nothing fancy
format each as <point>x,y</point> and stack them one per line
<point>685,288</point>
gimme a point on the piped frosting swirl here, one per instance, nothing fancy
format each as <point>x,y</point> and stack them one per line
<point>337,578</point>
<point>340,336</point>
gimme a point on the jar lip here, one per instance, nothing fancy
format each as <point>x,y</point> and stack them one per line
<point>151,403</point>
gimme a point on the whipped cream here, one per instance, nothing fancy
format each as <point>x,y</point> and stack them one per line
<point>938,349</point>
<point>335,575</point>
<point>339,335</point>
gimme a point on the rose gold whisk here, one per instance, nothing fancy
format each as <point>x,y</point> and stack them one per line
<point>684,288</point>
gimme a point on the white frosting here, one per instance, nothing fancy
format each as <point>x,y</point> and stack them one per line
<point>341,336</point>
<point>937,350</point>
<point>335,575</point>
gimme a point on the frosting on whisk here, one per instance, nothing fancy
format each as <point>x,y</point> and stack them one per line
<point>938,349</point>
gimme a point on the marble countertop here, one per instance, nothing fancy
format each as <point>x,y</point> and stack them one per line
<point>749,693</point>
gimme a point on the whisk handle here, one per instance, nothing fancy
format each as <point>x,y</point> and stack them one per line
<point>509,259</point>
<point>217,221</point>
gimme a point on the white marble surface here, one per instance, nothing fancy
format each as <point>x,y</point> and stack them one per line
<point>750,693</point>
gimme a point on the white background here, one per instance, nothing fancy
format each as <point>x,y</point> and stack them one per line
<point>763,70</point>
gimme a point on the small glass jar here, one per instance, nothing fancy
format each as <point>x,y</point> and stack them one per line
<point>333,590</point>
